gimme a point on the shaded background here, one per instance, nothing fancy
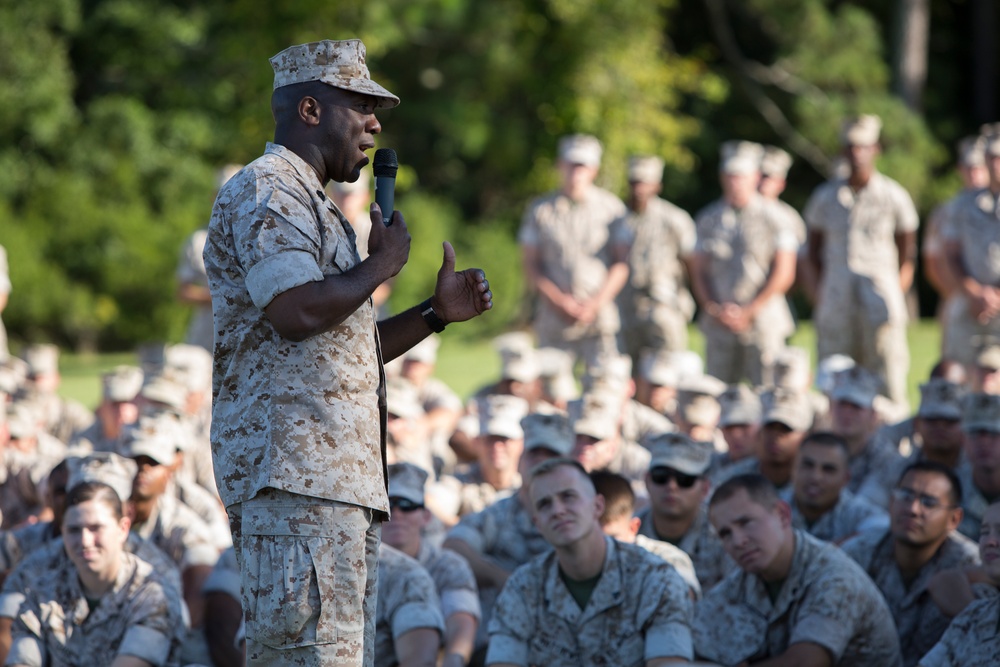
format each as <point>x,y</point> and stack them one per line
<point>115,114</point>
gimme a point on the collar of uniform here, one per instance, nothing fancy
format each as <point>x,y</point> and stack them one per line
<point>607,593</point>
<point>752,591</point>
<point>301,167</point>
<point>81,609</point>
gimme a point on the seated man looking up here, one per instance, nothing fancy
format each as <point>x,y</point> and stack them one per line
<point>592,600</point>
<point>794,600</point>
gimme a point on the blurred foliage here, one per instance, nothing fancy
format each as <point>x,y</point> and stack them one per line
<point>115,114</point>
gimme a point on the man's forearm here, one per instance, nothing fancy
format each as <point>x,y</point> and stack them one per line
<point>487,574</point>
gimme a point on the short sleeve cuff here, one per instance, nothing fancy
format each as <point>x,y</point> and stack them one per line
<point>10,604</point>
<point>460,600</point>
<point>936,657</point>
<point>506,649</point>
<point>223,581</point>
<point>25,651</point>
<point>671,639</point>
<point>416,615</point>
<point>145,643</point>
<point>202,554</point>
<point>469,535</point>
<point>831,634</point>
<point>279,273</point>
<point>786,242</point>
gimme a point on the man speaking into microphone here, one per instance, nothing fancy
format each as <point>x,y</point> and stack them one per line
<point>298,420</point>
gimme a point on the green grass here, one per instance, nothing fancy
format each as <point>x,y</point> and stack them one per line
<point>467,365</point>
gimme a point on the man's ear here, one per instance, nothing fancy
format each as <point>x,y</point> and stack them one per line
<point>784,511</point>
<point>634,524</point>
<point>309,110</point>
<point>598,506</point>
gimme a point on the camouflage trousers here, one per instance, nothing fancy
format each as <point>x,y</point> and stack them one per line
<point>309,575</point>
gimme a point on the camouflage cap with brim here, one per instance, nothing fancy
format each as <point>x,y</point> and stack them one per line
<point>340,64</point>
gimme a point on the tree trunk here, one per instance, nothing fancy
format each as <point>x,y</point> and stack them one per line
<point>909,63</point>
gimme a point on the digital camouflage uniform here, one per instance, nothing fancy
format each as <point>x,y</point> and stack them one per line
<point>861,309</point>
<point>868,468</point>
<point>33,556</point>
<point>676,557</point>
<point>973,638</point>
<point>739,247</point>
<point>407,600</point>
<point>453,579</point>
<point>826,600</point>
<point>710,560</point>
<point>850,515</point>
<point>191,271</point>
<point>179,532</point>
<point>639,611</point>
<point>280,422</point>
<point>656,304</point>
<point>975,233</point>
<point>919,621</point>
<point>476,494</point>
<point>55,625</point>
<point>640,423</point>
<point>974,503</point>
<point>504,534</point>
<point>575,242</point>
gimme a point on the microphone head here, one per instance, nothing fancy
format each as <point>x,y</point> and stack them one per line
<point>385,163</point>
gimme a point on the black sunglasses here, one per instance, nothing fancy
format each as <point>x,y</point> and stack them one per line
<point>405,505</point>
<point>661,476</point>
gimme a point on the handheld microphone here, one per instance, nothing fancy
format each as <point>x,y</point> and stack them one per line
<point>384,167</point>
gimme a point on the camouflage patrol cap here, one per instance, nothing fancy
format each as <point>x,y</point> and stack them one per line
<point>941,399</point>
<point>645,169</point>
<point>738,405</point>
<point>861,130</point>
<point>580,149</point>
<point>548,431</point>
<point>340,64</point>
<point>991,134</point>
<point>697,400</point>
<point>555,367</point>
<point>981,412</point>
<point>775,163</point>
<point>149,437</point>
<point>656,369</point>
<point>610,371</point>
<point>121,384</point>
<point>828,369</point>
<point>42,359</point>
<point>519,365</point>
<point>740,157</point>
<point>787,406</point>
<point>791,368</point>
<point>13,373</point>
<point>22,422</point>
<point>190,365</point>
<point>856,385</point>
<point>424,352</point>
<point>501,414</point>
<point>987,351</point>
<point>513,341</point>
<point>407,481</point>
<point>152,356</point>
<point>165,389</point>
<point>597,414</point>
<point>402,399</point>
<point>679,452</point>
<point>972,151</point>
<point>108,468</point>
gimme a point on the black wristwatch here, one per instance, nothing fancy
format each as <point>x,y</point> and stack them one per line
<point>430,317</point>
